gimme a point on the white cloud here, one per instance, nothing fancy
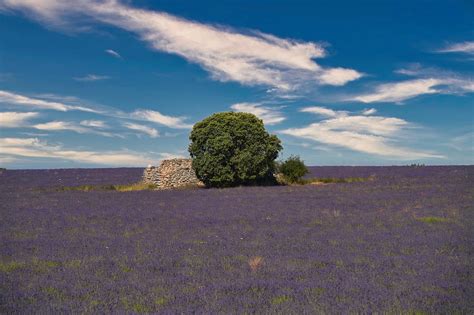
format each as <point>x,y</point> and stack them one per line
<point>323,111</point>
<point>56,97</point>
<point>368,134</point>
<point>4,160</point>
<point>159,118</point>
<point>250,58</point>
<point>368,112</point>
<point>38,103</point>
<point>113,53</point>
<point>94,123</point>
<point>400,91</point>
<point>35,134</point>
<point>413,69</point>
<point>375,125</point>
<point>71,126</point>
<point>464,142</point>
<point>92,77</point>
<point>152,132</point>
<point>15,119</point>
<point>429,81</point>
<point>35,148</point>
<point>60,125</point>
<point>167,156</point>
<point>269,115</point>
<point>456,85</point>
<point>339,76</point>
<point>464,47</point>
<point>424,81</point>
<point>10,98</point>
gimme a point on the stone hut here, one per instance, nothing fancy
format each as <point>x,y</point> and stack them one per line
<point>171,174</point>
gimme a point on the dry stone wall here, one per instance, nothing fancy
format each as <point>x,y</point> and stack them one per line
<point>171,174</point>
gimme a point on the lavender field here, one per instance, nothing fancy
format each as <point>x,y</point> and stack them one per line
<point>402,241</point>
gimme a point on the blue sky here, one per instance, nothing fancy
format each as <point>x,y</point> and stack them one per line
<point>120,83</point>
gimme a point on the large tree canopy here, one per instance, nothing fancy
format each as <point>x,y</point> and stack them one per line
<point>230,149</point>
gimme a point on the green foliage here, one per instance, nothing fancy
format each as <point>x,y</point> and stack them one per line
<point>161,301</point>
<point>432,220</point>
<point>230,149</point>
<point>11,266</point>
<point>54,293</point>
<point>281,299</point>
<point>292,169</point>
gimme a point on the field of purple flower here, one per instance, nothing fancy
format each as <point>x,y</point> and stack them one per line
<point>400,242</point>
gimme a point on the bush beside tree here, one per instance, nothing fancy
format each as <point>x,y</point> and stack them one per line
<point>292,169</point>
<point>231,149</point>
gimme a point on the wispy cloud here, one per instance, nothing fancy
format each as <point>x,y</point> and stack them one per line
<point>464,47</point>
<point>464,142</point>
<point>398,92</point>
<point>71,126</point>
<point>369,111</point>
<point>35,148</point>
<point>374,135</point>
<point>15,119</point>
<point>18,119</point>
<point>152,132</point>
<point>269,115</point>
<point>92,77</point>
<point>60,125</point>
<point>113,53</point>
<point>167,155</point>
<point>35,134</point>
<point>10,98</point>
<point>250,58</point>
<point>159,118</point>
<point>63,105</point>
<point>4,160</point>
<point>423,81</point>
<point>450,82</point>
<point>57,98</point>
<point>94,123</point>
<point>323,111</point>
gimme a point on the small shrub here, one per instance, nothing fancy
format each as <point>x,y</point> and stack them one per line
<point>293,169</point>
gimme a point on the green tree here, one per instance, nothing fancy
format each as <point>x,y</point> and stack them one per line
<point>292,169</point>
<point>230,149</point>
